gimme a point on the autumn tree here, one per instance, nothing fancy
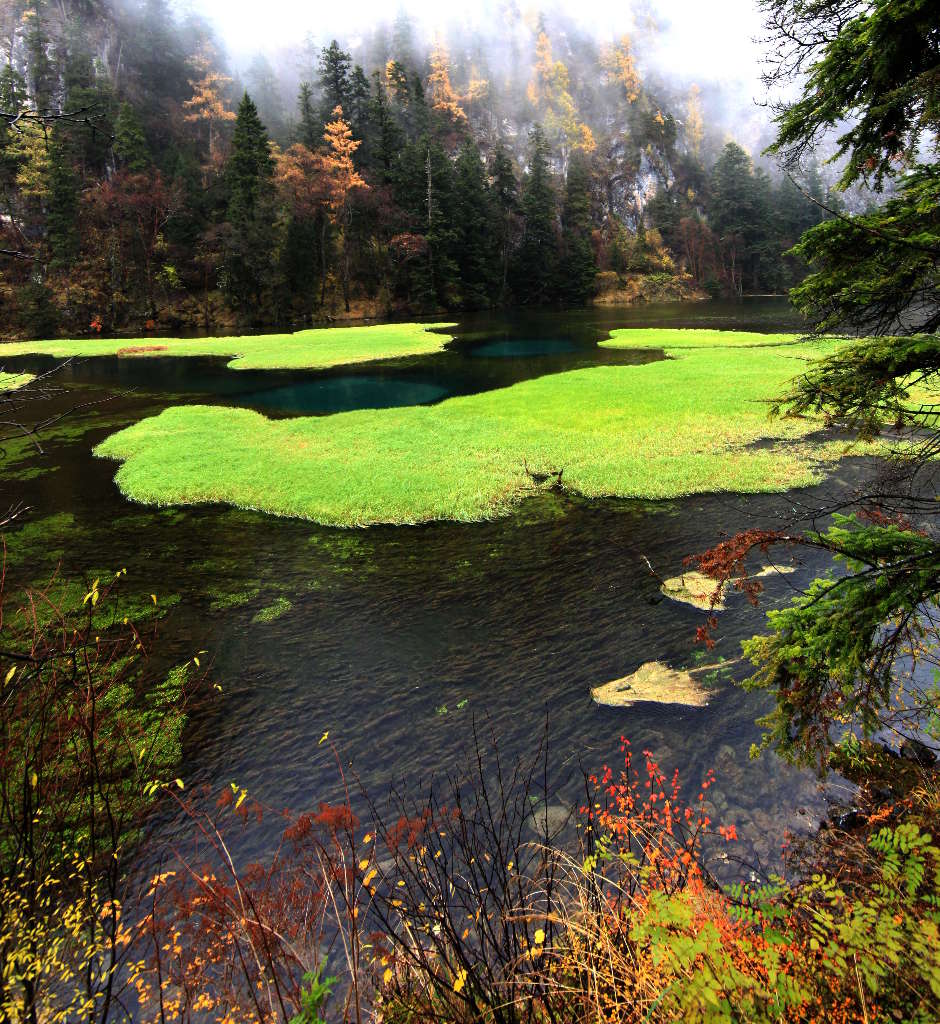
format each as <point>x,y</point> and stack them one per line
<point>550,93</point>
<point>440,93</point>
<point>342,180</point>
<point>207,105</point>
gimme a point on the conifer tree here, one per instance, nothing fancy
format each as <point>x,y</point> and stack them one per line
<point>536,262</point>
<point>308,128</point>
<point>578,263</point>
<point>130,146</point>
<point>62,202</point>
<point>475,229</point>
<point>505,191</point>
<point>386,135</point>
<point>334,80</point>
<point>250,211</point>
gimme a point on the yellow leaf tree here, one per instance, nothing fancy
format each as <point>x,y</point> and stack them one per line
<point>549,92</point>
<point>341,180</point>
<point>694,122</point>
<point>206,105</point>
<point>441,93</point>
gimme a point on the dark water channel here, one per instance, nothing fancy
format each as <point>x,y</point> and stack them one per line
<point>396,639</point>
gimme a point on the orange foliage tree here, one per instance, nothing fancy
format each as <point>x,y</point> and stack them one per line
<point>341,179</point>
<point>207,105</point>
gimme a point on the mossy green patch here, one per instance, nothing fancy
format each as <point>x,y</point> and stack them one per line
<point>310,350</point>
<point>280,606</point>
<point>234,598</point>
<point>683,425</point>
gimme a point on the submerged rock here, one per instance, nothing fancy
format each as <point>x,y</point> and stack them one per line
<point>696,589</point>
<point>705,592</point>
<point>653,682</point>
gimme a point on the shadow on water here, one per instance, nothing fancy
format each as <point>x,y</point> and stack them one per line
<point>395,640</point>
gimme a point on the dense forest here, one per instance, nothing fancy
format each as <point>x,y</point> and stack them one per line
<point>144,185</point>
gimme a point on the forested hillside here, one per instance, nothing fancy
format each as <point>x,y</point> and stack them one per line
<point>145,184</point>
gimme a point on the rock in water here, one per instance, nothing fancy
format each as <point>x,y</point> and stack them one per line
<point>701,591</point>
<point>696,589</point>
<point>653,682</point>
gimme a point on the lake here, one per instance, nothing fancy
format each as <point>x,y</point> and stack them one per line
<point>396,640</point>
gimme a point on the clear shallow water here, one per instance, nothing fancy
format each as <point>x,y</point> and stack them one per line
<point>523,348</point>
<point>397,639</point>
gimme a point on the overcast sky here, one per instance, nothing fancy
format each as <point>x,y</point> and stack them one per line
<point>702,39</point>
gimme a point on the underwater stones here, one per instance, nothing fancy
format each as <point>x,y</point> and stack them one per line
<point>653,682</point>
<point>707,593</point>
<point>696,589</point>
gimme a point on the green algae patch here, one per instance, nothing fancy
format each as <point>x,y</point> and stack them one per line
<point>305,350</point>
<point>683,425</point>
<point>278,607</point>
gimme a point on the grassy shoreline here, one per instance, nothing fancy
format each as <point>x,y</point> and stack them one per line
<point>316,349</point>
<point>684,425</point>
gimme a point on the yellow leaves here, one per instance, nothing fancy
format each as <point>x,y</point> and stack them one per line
<point>324,737</point>
<point>33,779</point>
<point>369,877</point>
<point>460,981</point>
<point>92,594</point>
<point>387,976</point>
<point>10,674</point>
<point>367,838</point>
<point>240,795</point>
<point>621,68</point>
<point>153,597</point>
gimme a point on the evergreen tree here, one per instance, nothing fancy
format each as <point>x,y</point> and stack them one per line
<point>536,264</point>
<point>358,104</point>
<point>578,263</point>
<point>308,127</point>
<point>475,229</point>
<point>732,211</point>
<point>334,80</point>
<point>505,192</point>
<point>130,146</point>
<point>385,140</point>
<point>62,213</point>
<point>250,215</point>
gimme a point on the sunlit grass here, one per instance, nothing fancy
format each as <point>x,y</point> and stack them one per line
<point>12,381</point>
<point>309,350</point>
<point>683,425</point>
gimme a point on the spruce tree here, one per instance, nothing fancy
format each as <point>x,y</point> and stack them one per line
<point>536,265</point>
<point>505,192</point>
<point>308,131</point>
<point>475,229</point>
<point>62,232</point>
<point>385,141</point>
<point>578,263</point>
<point>334,80</point>
<point>130,147</point>
<point>250,215</point>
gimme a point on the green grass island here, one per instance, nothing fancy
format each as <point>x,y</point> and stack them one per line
<point>686,424</point>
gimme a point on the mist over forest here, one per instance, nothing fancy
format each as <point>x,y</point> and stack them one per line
<point>514,157</point>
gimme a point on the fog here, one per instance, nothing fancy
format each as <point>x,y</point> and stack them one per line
<point>713,41</point>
